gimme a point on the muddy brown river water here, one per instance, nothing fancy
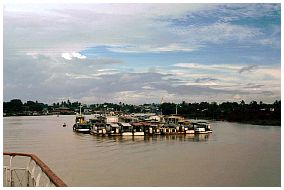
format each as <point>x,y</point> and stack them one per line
<point>233,155</point>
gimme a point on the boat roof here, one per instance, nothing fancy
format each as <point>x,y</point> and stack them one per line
<point>200,123</point>
<point>203,122</point>
<point>82,124</point>
<point>136,124</point>
<point>79,115</point>
<point>146,123</point>
<point>125,124</point>
<point>174,116</point>
<point>113,124</point>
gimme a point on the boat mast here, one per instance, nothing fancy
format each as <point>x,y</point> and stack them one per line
<point>176,109</point>
<point>80,108</point>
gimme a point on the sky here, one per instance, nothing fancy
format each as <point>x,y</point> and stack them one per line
<point>142,53</point>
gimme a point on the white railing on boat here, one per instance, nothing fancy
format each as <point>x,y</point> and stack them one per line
<point>35,174</point>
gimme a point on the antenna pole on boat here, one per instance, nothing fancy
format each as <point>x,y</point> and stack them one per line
<point>176,109</point>
<point>80,108</point>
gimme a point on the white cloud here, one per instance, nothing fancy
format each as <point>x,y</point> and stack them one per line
<point>147,88</point>
<point>209,67</point>
<point>113,25</point>
<point>154,48</point>
<point>78,55</point>
<point>216,33</point>
<point>66,56</point>
<point>81,76</point>
<point>69,56</point>
<point>107,70</point>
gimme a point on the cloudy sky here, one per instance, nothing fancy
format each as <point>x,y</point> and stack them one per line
<point>141,53</point>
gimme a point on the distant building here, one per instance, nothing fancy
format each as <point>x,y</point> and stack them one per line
<point>63,111</point>
<point>155,118</point>
<point>87,111</point>
<point>175,119</point>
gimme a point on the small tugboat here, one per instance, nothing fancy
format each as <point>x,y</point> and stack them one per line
<point>81,125</point>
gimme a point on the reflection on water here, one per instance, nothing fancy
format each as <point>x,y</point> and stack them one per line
<point>233,155</point>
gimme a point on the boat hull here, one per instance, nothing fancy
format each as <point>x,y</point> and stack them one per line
<point>127,134</point>
<point>138,133</point>
<point>83,130</point>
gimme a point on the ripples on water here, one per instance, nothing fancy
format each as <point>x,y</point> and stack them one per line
<point>233,155</point>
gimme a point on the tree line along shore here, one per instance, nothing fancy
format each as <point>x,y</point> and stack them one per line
<point>253,112</point>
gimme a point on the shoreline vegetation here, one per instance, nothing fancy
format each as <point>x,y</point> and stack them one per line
<point>250,113</point>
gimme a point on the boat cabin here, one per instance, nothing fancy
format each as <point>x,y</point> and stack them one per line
<point>175,119</point>
<point>125,127</point>
<point>137,127</point>
<point>112,128</point>
<point>80,119</point>
<point>169,129</point>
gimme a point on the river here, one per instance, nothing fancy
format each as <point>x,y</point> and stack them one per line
<point>233,155</point>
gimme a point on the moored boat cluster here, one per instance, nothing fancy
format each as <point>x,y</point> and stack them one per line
<point>139,125</point>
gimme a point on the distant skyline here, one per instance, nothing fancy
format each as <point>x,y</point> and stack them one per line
<point>142,53</point>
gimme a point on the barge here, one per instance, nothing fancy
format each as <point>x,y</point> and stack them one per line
<point>115,125</point>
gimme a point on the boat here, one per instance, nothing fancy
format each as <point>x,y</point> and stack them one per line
<point>81,125</point>
<point>205,125</point>
<point>202,127</point>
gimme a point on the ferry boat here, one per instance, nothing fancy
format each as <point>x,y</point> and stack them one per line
<point>81,125</point>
